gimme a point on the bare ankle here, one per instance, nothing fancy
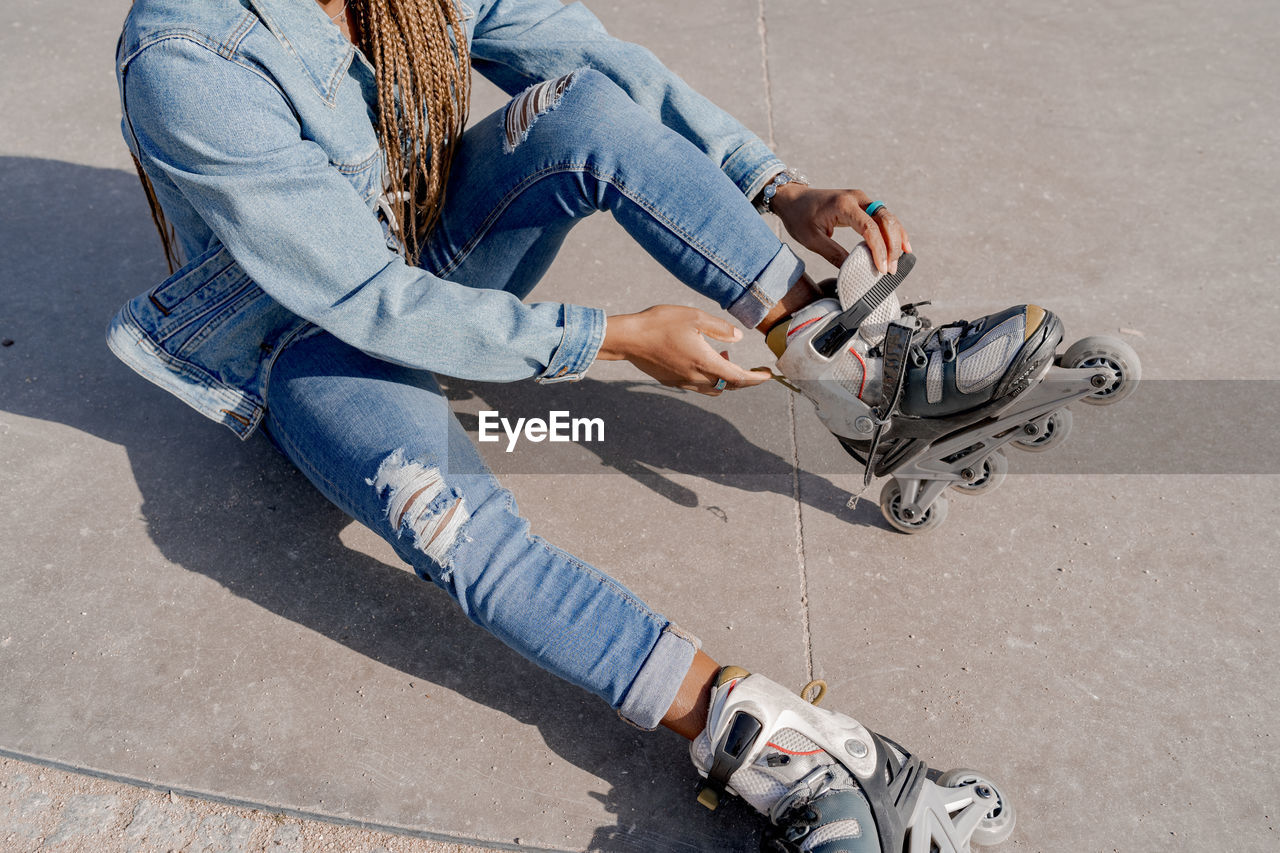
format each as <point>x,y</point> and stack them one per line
<point>802,293</point>
<point>688,713</point>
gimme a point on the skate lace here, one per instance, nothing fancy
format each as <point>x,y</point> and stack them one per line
<point>937,340</point>
<point>790,812</point>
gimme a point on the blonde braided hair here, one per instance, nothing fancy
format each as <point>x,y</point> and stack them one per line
<point>419,50</point>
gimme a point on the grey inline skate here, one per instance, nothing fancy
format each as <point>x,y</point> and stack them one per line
<point>934,408</point>
<point>828,785</point>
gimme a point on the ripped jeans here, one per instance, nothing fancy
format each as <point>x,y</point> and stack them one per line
<point>380,441</point>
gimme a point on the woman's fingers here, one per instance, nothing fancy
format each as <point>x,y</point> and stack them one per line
<point>811,216</point>
<point>831,251</point>
<point>669,342</point>
<point>874,238</point>
<point>885,238</point>
<point>850,211</point>
<point>733,375</point>
<point>893,236</point>
<point>714,366</point>
<point>720,368</point>
<point>717,328</point>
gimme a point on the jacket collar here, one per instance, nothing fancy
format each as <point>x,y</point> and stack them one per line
<point>307,33</point>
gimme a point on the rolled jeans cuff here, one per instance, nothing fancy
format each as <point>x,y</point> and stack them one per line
<point>656,685</point>
<point>752,166</point>
<point>583,335</point>
<point>769,287</point>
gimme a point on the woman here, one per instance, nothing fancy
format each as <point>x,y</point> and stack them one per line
<point>341,237</point>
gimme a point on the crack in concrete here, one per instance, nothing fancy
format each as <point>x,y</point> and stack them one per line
<point>806,636</point>
<point>805,633</point>
<point>762,28</point>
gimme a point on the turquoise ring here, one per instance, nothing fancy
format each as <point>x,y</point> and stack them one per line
<point>873,207</point>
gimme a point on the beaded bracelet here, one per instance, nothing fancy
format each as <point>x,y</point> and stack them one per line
<point>786,176</point>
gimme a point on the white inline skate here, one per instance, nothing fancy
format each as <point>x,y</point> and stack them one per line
<point>828,785</point>
<point>935,407</point>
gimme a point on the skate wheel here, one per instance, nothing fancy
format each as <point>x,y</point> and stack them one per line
<point>997,824</point>
<point>1053,432</point>
<point>891,507</point>
<point>1111,353</point>
<point>990,474</point>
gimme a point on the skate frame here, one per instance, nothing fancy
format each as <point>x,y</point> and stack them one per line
<point>927,473</point>
<point>944,819</point>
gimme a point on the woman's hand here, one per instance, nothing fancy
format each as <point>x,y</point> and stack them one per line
<point>666,342</point>
<point>811,216</point>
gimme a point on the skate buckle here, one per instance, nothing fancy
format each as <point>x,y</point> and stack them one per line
<point>708,797</point>
<point>729,755</point>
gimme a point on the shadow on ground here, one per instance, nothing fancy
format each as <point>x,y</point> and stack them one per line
<point>77,243</point>
<point>654,433</point>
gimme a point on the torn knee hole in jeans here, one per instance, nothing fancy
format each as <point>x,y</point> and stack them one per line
<point>525,108</point>
<point>421,505</point>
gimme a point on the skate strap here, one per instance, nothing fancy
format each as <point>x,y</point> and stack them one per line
<point>838,332</point>
<point>896,347</point>
<point>730,754</point>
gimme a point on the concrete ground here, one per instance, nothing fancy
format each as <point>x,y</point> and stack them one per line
<point>42,808</point>
<point>183,610</point>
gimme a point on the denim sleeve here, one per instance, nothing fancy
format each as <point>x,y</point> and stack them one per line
<point>228,140</point>
<point>517,43</point>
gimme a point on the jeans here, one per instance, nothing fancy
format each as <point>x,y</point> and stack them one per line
<point>380,441</point>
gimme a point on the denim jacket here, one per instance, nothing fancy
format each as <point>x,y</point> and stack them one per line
<point>253,120</point>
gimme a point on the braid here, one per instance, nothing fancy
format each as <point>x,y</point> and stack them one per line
<point>418,48</point>
<point>167,236</point>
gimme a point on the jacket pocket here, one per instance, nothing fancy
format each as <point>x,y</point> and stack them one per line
<point>169,295</point>
<point>191,302</point>
<point>246,296</point>
<point>209,335</point>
